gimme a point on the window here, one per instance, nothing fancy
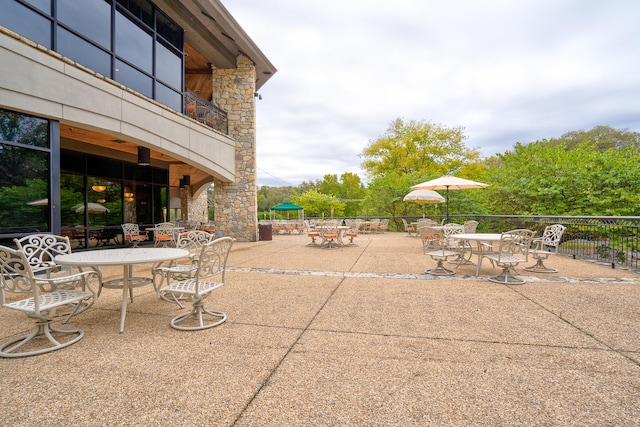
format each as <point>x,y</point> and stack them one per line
<point>92,20</point>
<point>24,175</point>
<point>26,22</point>
<point>133,44</point>
<point>83,52</point>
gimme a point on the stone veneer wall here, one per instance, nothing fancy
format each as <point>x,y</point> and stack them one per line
<point>194,208</point>
<point>236,204</point>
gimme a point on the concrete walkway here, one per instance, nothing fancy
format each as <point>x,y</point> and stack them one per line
<point>353,336</point>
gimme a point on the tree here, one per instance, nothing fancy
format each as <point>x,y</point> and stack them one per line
<point>549,177</point>
<point>418,147</point>
<point>348,189</point>
<point>603,138</point>
<point>318,204</point>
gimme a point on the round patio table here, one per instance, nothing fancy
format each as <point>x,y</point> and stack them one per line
<point>126,257</point>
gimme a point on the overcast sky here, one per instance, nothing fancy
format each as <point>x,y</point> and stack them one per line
<point>506,71</point>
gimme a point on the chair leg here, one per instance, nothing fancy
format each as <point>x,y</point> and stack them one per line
<point>440,269</point>
<point>506,278</point>
<point>43,329</point>
<point>540,267</point>
<point>197,313</point>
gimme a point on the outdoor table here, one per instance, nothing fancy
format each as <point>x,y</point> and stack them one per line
<point>479,238</point>
<point>126,257</point>
<point>341,230</point>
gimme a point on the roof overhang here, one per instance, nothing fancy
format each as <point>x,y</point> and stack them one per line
<point>214,33</point>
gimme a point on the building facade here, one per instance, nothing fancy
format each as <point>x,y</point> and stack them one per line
<point>126,111</point>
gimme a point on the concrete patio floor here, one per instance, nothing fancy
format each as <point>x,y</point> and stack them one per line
<point>353,336</point>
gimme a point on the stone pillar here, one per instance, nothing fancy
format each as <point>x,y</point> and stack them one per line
<point>236,204</point>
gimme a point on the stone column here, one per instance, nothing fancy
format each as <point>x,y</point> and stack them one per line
<point>236,204</point>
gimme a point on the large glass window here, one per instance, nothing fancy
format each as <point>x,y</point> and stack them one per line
<point>133,43</point>
<point>168,97</point>
<point>26,22</point>
<point>85,33</point>
<point>93,19</point>
<point>24,173</point>
<point>43,5</point>
<point>83,52</point>
<point>168,66</point>
<point>134,79</point>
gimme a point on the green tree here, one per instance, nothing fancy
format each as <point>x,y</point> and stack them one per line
<point>603,138</point>
<point>550,178</point>
<point>418,147</point>
<point>316,204</point>
<point>348,189</point>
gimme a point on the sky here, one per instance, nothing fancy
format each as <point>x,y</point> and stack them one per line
<point>505,71</point>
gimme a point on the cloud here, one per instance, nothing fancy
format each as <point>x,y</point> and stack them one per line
<point>505,71</point>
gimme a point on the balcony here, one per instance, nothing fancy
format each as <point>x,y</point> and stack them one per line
<point>205,112</point>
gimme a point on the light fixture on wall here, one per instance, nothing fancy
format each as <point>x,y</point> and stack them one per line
<point>185,181</point>
<point>144,156</point>
<point>99,188</point>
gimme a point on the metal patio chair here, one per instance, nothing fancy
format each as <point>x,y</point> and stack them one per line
<point>544,246</point>
<point>48,299</point>
<point>512,250</point>
<point>208,276</point>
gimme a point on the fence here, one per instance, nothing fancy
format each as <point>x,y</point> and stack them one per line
<point>612,239</point>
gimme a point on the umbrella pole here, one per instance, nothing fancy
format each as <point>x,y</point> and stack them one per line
<point>447,193</point>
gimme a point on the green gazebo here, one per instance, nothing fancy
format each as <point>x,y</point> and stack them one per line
<point>287,206</point>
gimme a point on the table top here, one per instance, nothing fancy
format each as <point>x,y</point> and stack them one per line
<point>477,236</point>
<point>120,256</point>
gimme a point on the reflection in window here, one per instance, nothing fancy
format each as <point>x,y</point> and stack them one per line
<point>26,22</point>
<point>71,199</point>
<point>92,20</point>
<point>24,190</point>
<point>134,79</point>
<point>168,97</point>
<point>168,66</point>
<point>23,129</point>
<point>133,43</point>
<point>83,52</point>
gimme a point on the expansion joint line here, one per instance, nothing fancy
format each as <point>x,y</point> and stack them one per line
<point>284,356</point>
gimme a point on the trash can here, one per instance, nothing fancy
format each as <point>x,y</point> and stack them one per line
<point>264,231</point>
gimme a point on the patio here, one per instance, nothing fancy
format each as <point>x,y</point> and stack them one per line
<point>353,336</point>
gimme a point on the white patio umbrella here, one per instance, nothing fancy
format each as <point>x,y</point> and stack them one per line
<point>40,202</point>
<point>448,182</point>
<point>93,208</point>
<point>424,196</point>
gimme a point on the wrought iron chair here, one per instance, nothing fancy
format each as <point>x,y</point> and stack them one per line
<point>544,246</point>
<point>132,234</point>
<point>438,239</point>
<point>313,233</point>
<point>330,234</point>
<point>513,250</point>
<point>193,241</point>
<point>41,249</point>
<point>352,231</point>
<point>164,234</point>
<point>48,299</point>
<point>431,237</point>
<point>409,228</point>
<point>208,276</point>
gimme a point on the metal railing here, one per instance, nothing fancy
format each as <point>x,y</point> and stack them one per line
<point>610,239</point>
<point>205,112</point>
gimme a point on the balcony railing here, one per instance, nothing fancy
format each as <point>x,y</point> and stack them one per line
<point>205,112</point>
